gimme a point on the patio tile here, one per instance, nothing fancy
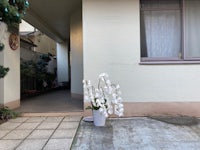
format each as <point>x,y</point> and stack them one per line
<point>28,126</point>
<point>48,125</point>
<point>36,119</point>
<point>40,134</point>
<point>19,119</point>
<point>3,133</point>
<point>68,125</point>
<point>17,134</point>
<point>58,144</point>
<point>9,125</point>
<point>32,144</point>
<point>72,118</point>
<point>9,144</point>
<point>53,119</point>
<point>64,133</point>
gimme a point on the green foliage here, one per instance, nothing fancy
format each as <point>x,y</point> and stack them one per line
<point>89,107</point>
<point>1,46</point>
<point>13,11</point>
<point>6,113</point>
<point>28,68</point>
<point>38,71</point>
<point>3,71</point>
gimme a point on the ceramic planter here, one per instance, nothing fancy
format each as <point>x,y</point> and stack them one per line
<point>98,118</point>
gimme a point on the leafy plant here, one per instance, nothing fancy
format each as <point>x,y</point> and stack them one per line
<point>3,71</point>
<point>6,113</point>
<point>28,68</point>
<point>12,11</point>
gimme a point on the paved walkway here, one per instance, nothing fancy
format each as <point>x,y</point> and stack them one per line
<point>57,133</point>
<point>137,134</point>
<point>38,133</point>
<point>58,101</point>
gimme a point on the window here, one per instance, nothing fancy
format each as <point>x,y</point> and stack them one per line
<point>170,30</point>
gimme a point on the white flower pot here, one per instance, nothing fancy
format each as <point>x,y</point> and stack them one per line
<point>98,118</point>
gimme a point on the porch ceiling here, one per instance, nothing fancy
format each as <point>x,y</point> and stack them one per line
<point>52,16</point>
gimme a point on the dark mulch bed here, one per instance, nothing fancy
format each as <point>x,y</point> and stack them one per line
<point>178,120</point>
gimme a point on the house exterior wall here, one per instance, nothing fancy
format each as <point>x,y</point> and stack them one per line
<point>27,55</point>
<point>76,45</point>
<point>111,43</point>
<point>44,44</point>
<point>10,84</point>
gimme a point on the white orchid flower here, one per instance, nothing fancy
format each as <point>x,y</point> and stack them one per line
<point>117,86</point>
<point>106,97</point>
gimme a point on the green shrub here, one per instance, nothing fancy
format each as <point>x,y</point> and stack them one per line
<point>6,113</point>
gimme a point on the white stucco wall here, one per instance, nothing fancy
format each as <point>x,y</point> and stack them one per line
<point>1,80</point>
<point>111,43</point>
<point>10,84</point>
<point>62,62</point>
<point>76,43</point>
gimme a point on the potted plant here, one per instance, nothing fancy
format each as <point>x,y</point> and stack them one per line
<point>105,99</point>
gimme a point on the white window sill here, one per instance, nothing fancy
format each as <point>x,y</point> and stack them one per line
<point>169,62</point>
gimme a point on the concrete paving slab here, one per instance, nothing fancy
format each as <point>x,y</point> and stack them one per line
<point>17,135</point>
<point>9,144</point>
<point>54,119</point>
<point>32,144</point>
<point>68,125</point>
<point>35,133</point>
<point>36,119</point>
<point>4,132</point>
<point>72,118</point>
<point>58,144</point>
<point>40,134</point>
<point>48,125</point>
<point>28,125</point>
<point>57,101</point>
<point>64,133</point>
<point>138,134</point>
<point>9,125</point>
<point>19,119</point>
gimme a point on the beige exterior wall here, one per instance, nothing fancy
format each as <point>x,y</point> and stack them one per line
<point>111,43</point>
<point>10,84</point>
<point>44,44</point>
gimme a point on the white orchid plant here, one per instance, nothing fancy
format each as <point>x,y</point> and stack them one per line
<point>106,97</point>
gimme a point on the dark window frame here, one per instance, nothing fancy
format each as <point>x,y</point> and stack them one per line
<point>169,60</point>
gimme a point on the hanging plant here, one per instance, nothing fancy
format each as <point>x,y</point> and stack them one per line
<point>3,29</point>
<point>1,46</point>
<point>12,11</point>
<point>3,71</point>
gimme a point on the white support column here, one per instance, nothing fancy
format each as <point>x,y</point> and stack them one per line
<point>62,62</point>
<point>10,84</point>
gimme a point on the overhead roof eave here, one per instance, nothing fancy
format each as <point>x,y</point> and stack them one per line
<point>34,19</point>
